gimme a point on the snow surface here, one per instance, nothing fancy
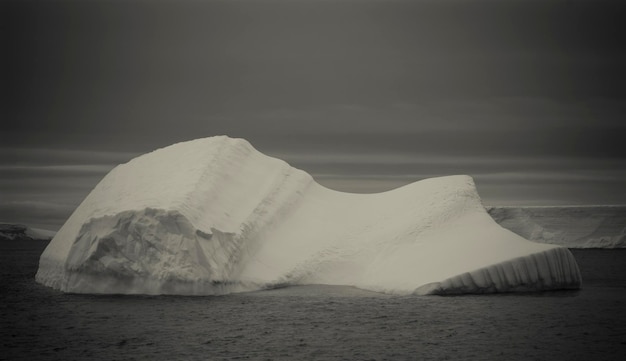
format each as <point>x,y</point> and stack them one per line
<point>214,216</point>
<point>21,232</point>
<point>569,226</point>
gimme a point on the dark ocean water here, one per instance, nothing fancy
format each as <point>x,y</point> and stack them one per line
<point>313,322</point>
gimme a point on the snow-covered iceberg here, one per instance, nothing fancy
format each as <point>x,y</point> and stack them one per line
<point>214,215</point>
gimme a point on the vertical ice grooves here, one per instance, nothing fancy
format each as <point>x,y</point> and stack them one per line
<point>552,269</point>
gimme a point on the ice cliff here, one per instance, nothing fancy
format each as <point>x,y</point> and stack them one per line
<point>214,215</point>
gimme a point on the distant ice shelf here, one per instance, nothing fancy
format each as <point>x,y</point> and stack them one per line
<point>568,226</point>
<point>213,216</point>
<point>20,232</point>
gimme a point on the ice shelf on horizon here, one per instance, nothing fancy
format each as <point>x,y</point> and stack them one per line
<point>20,232</point>
<point>568,226</point>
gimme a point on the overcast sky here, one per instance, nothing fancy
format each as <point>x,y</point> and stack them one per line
<point>528,97</point>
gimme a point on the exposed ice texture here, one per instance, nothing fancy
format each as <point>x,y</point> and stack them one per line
<point>214,215</point>
<point>569,226</point>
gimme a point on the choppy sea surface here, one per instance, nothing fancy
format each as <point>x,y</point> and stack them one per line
<point>313,322</point>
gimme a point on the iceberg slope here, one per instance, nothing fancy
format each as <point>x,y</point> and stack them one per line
<point>214,215</point>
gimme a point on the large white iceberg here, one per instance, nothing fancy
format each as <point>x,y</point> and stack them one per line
<point>214,215</point>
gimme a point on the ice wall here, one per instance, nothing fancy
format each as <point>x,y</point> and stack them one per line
<point>214,215</point>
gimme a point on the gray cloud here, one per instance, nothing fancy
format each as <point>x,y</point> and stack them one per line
<point>507,188</point>
<point>367,95</point>
<point>162,61</point>
<point>67,169</point>
<point>50,157</point>
<point>36,214</point>
<point>41,187</point>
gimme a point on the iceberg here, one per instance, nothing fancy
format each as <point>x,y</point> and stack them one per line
<point>214,215</point>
